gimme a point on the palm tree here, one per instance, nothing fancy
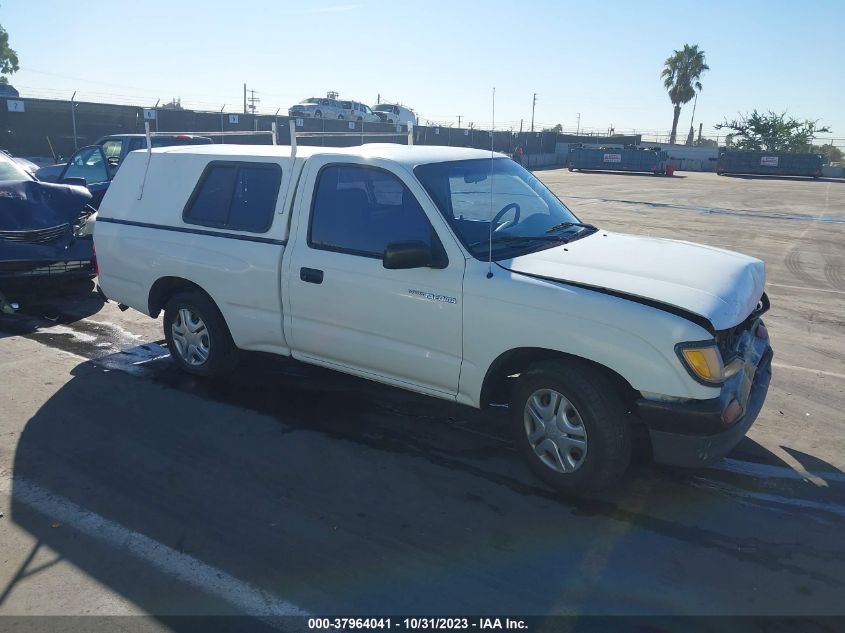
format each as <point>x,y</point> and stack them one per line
<point>681,74</point>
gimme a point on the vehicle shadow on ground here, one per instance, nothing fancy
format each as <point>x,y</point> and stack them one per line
<point>612,172</point>
<point>337,494</point>
<point>43,306</point>
<point>786,178</point>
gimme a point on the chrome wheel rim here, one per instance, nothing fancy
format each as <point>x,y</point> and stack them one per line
<point>190,337</point>
<point>555,431</point>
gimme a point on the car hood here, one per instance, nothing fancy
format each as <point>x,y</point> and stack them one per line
<point>28,205</point>
<point>720,286</point>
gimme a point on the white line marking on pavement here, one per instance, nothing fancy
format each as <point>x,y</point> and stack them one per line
<point>770,471</point>
<point>832,374</point>
<point>807,288</point>
<point>783,502</point>
<point>248,599</point>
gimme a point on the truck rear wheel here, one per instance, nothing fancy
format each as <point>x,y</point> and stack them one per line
<point>197,335</point>
<point>570,425</point>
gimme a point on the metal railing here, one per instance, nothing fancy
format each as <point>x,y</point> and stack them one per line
<point>295,135</point>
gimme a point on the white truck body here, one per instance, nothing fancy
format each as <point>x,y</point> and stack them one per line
<point>621,302</point>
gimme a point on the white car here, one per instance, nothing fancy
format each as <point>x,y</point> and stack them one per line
<point>357,111</point>
<point>395,113</point>
<point>448,273</point>
<point>317,108</point>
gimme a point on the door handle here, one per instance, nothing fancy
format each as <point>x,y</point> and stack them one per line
<point>311,275</point>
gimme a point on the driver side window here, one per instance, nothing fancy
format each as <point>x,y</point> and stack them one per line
<point>360,210</point>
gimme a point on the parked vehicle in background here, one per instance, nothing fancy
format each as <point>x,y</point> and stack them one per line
<point>42,228</point>
<point>769,164</point>
<point>407,266</point>
<point>395,113</point>
<point>98,163</point>
<point>615,159</point>
<point>357,111</point>
<point>318,108</point>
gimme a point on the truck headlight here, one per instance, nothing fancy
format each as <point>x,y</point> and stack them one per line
<point>703,361</point>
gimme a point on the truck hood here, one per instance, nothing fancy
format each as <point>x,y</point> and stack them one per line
<point>720,286</point>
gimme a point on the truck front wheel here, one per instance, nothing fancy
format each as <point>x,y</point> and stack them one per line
<point>197,336</point>
<point>570,426</point>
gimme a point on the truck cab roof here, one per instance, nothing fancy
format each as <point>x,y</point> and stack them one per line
<point>408,156</point>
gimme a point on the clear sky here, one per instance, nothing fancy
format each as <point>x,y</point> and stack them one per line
<point>602,59</point>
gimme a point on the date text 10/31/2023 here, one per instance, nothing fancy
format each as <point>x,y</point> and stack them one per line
<point>418,623</point>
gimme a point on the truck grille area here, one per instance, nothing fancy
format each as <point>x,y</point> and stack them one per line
<point>36,236</point>
<point>47,269</point>
<point>729,341</point>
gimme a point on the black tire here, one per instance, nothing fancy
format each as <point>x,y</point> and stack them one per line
<point>318,115</point>
<point>222,353</point>
<point>602,412</point>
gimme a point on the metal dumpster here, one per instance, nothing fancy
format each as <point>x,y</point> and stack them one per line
<point>770,164</point>
<point>615,159</point>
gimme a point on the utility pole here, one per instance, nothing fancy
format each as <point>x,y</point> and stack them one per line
<point>252,101</point>
<point>533,105</point>
<point>694,104</point>
<point>459,121</point>
<point>73,118</point>
<point>520,126</point>
<point>578,129</point>
<point>244,98</point>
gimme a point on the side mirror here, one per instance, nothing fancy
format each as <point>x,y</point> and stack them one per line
<point>76,182</point>
<point>403,255</point>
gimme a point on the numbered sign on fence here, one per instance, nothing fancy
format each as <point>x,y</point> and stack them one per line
<point>234,118</point>
<point>300,122</point>
<point>149,114</point>
<point>15,105</point>
<point>351,125</point>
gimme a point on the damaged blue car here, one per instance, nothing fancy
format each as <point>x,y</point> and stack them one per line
<point>43,232</point>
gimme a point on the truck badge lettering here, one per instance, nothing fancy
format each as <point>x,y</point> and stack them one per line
<point>432,296</point>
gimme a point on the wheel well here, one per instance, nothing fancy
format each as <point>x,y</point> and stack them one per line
<point>498,383</point>
<point>165,288</point>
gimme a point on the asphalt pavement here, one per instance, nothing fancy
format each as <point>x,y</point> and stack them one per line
<point>128,487</point>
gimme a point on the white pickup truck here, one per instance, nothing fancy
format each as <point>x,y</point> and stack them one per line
<point>449,272</point>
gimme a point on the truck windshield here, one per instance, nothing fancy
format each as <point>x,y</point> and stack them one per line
<point>525,215</point>
<point>10,170</point>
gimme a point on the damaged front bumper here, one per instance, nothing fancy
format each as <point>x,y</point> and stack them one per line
<point>68,258</point>
<point>696,433</point>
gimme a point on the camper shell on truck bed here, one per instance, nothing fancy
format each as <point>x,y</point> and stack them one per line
<point>450,272</point>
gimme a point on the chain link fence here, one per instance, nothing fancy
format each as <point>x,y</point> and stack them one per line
<point>52,129</point>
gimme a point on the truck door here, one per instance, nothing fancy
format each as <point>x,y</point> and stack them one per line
<point>345,308</point>
<point>90,164</point>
